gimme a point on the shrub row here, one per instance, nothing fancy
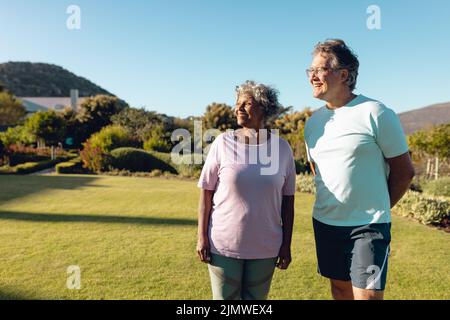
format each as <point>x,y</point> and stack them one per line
<point>439,187</point>
<point>305,183</point>
<point>19,158</point>
<point>424,208</point>
<point>138,160</point>
<point>72,166</point>
<point>32,167</point>
<point>151,174</point>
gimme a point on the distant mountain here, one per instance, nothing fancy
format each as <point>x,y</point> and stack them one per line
<point>26,79</point>
<point>423,118</point>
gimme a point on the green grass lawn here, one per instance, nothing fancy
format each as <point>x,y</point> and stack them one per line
<point>134,238</point>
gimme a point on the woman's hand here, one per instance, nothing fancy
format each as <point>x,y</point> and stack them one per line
<point>204,212</point>
<point>203,249</point>
<point>284,257</point>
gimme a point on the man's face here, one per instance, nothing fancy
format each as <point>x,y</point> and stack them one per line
<point>325,81</point>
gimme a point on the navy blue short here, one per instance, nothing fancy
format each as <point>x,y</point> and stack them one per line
<point>358,254</point>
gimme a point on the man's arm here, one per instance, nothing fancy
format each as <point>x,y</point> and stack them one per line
<point>400,176</point>
<point>313,168</point>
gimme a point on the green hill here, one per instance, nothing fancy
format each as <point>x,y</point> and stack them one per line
<point>26,79</point>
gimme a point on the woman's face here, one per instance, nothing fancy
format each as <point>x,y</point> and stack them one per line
<point>248,112</point>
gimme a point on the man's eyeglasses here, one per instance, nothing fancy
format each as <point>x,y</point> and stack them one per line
<point>319,71</point>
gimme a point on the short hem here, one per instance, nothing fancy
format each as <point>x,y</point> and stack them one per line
<point>333,277</point>
<point>360,286</point>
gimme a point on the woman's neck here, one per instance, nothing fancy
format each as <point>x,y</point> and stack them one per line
<point>260,133</point>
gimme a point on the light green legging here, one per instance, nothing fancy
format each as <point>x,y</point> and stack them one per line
<point>240,279</point>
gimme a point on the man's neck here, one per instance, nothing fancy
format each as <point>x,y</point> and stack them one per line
<point>340,100</point>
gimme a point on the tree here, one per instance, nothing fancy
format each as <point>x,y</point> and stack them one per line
<point>96,112</point>
<point>137,121</point>
<point>46,127</point>
<point>439,141</point>
<point>291,127</point>
<point>434,141</point>
<point>219,116</point>
<point>16,135</point>
<point>418,142</point>
<point>157,140</point>
<point>75,134</point>
<point>428,143</point>
<point>11,110</point>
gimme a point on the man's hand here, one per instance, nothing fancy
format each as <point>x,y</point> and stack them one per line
<point>400,176</point>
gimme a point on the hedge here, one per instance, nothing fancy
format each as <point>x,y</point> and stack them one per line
<point>439,187</point>
<point>424,208</point>
<point>73,166</point>
<point>138,160</point>
<point>187,168</point>
<point>32,167</point>
<point>20,158</point>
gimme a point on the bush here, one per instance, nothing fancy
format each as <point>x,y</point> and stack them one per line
<point>18,154</point>
<point>94,158</point>
<point>156,144</point>
<point>424,208</point>
<point>72,166</point>
<point>156,173</point>
<point>439,187</point>
<point>110,138</point>
<point>95,154</point>
<point>187,168</point>
<point>302,167</point>
<point>2,153</point>
<point>305,183</point>
<point>31,167</point>
<point>18,158</point>
<point>137,160</point>
<point>16,135</point>
<point>126,173</point>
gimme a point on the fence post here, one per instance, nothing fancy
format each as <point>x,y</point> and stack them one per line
<point>436,169</point>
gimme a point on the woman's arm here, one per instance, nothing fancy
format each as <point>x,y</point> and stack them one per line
<point>204,212</point>
<point>287,218</point>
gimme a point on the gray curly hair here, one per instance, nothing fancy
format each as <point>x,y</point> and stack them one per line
<point>265,96</point>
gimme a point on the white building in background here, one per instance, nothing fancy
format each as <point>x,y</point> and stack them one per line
<point>58,104</point>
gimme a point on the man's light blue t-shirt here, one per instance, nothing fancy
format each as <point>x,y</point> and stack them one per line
<point>348,146</point>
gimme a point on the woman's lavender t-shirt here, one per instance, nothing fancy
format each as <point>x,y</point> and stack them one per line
<point>249,183</point>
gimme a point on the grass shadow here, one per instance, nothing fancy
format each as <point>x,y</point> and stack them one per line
<point>16,186</point>
<point>63,218</point>
<point>6,294</point>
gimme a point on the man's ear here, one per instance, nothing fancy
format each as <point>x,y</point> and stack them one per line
<point>344,75</point>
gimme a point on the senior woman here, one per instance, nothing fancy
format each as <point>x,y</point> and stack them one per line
<point>246,210</point>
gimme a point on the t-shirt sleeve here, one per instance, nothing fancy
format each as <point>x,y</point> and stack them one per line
<point>210,172</point>
<point>308,156</point>
<point>289,182</point>
<point>389,134</point>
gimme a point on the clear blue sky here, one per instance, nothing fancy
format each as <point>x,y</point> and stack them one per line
<point>176,57</point>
